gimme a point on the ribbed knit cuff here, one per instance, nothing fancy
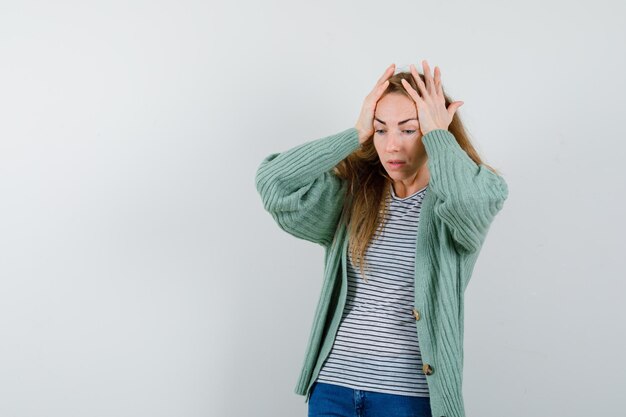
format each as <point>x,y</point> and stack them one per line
<point>304,163</point>
<point>346,141</point>
<point>312,158</point>
<point>441,140</point>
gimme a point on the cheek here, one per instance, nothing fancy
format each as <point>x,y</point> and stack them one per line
<point>379,146</point>
<point>413,150</point>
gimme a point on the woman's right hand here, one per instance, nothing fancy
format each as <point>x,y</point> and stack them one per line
<point>365,124</point>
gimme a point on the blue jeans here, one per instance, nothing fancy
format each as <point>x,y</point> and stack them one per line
<point>328,400</point>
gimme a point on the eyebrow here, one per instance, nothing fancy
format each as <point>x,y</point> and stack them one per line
<point>402,122</point>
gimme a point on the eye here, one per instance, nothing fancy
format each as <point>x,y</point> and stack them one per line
<point>410,132</point>
<point>379,130</point>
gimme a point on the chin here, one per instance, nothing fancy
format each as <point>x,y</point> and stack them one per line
<point>401,175</point>
<point>396,176</point>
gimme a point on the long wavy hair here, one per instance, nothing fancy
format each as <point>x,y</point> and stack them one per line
<point>367,195</point>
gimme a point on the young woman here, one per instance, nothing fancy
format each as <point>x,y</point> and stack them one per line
<point>402,204</point>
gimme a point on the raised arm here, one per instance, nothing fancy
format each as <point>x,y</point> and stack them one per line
<point>299,189</point>
<point>470,194</point>
<point>298,186</point>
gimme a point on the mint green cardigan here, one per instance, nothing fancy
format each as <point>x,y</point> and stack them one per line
<point>304,196</point>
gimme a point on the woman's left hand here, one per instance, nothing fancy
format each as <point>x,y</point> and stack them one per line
<point>431,103</point>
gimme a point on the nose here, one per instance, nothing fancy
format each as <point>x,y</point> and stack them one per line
<point>393,142</point>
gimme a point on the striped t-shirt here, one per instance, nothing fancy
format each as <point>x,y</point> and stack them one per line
<point>376,346</point>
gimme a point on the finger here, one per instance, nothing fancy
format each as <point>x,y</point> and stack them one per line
<point>390,69</point>
<point>453,107</point>
<point>418,100</point>
<point>418,80</point>
<point>378,91</point>
<point>429,78</point>
<point>375,95</point>
<point>438,87</point>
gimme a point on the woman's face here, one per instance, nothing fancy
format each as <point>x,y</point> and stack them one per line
<point>397,136</point>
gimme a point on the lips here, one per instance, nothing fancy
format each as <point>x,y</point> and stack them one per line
<point>395,164</point>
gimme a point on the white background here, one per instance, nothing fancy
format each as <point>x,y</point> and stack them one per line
<point>139,273</point>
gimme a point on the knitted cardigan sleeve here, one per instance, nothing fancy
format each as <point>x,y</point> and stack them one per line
<point>299,189</point>
<point>470,194</point>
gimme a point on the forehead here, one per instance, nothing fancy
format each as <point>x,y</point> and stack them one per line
<point>393,108</point>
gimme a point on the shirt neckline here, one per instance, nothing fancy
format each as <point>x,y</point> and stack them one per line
<point>395,197</point>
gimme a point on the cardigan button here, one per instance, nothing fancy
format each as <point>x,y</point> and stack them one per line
<point>428,370</point>
<point>416,314</point>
